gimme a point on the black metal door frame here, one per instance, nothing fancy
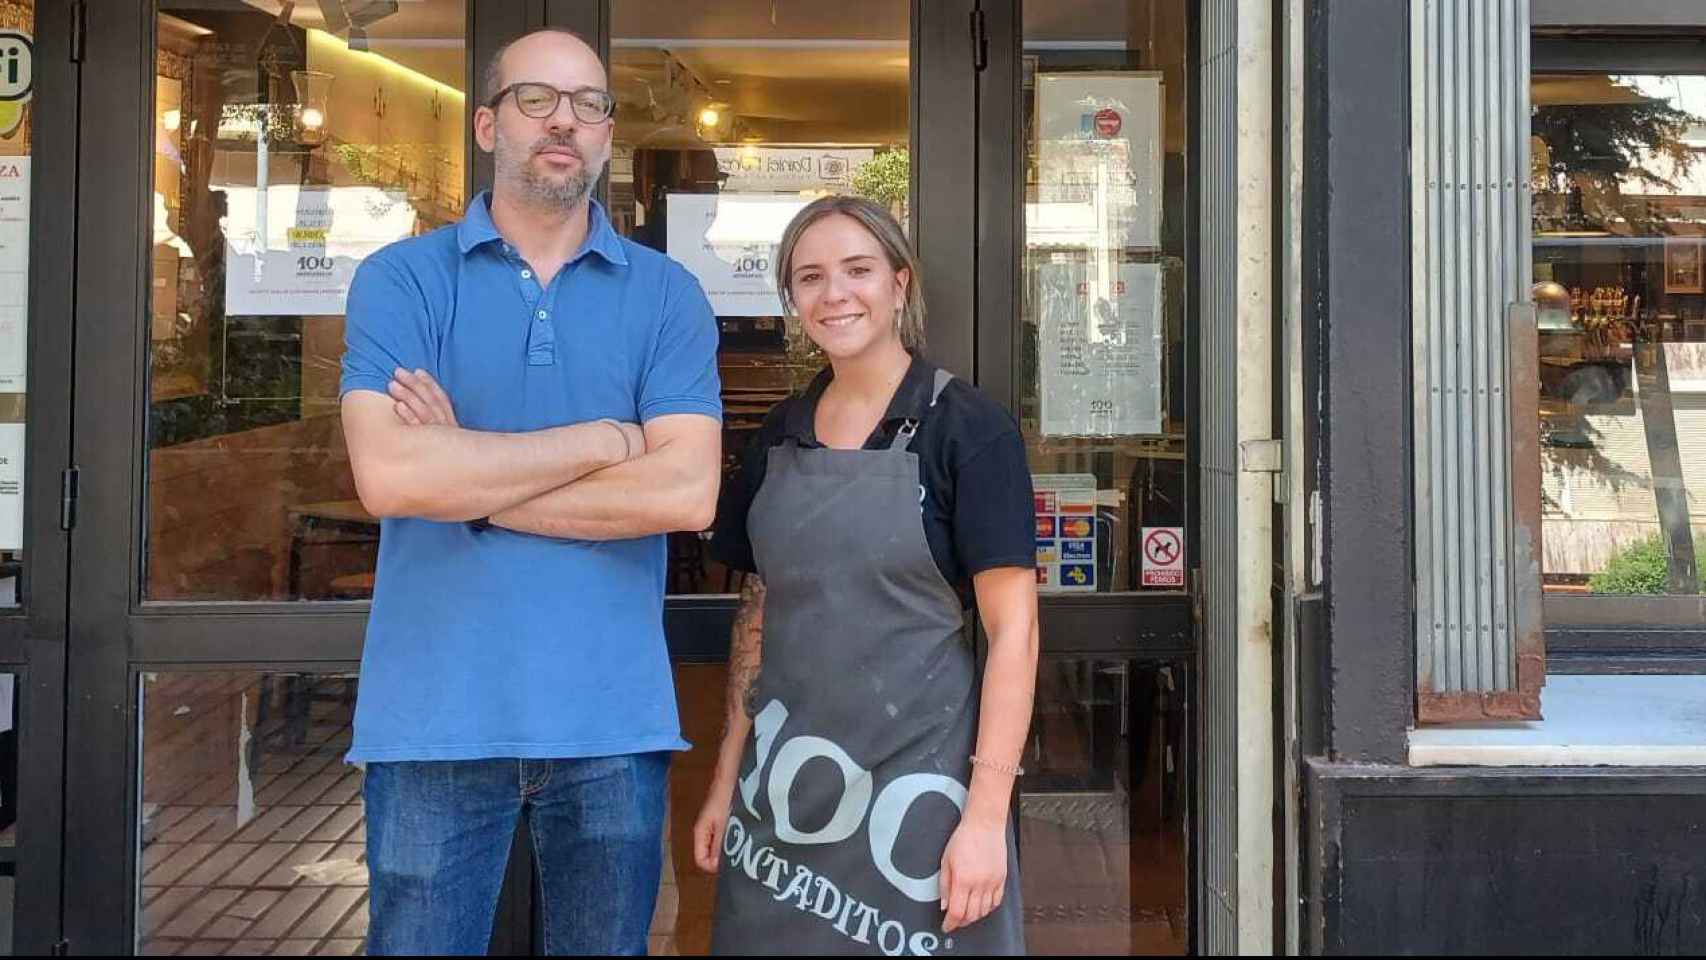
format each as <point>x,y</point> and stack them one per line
<point>1154,626</point>
<point>32,635</point>
<point>114,635</point>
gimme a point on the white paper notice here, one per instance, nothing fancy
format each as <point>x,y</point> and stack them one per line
<point>11,486</point>
<point>729,243</point>
<point>316,237</point>
<point>14,270</point>
<point>1099,152</point>
<point>1100,347</point>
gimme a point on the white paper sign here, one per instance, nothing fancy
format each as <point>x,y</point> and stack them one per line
<point>11,486</point>
<point>791,169</point>
<point>729,242</point>
<point>1099,153</point>
<point>1066,532</point>
<point>1164,557</point>
<point>14,270</point>
<point>1100,345</point>
<point>316,237</point>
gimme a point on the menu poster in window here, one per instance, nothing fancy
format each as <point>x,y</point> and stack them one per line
<point>1066,532</point>
<point>14,270</point>
<point>1098,160</point>
<point>11,486</point>
<point>1099,342</point>
<point>316,237</point>
<point>729,243</point>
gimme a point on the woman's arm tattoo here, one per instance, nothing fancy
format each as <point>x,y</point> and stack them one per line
<point>746,644</point>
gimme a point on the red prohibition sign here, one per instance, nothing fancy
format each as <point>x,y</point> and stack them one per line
<point>1161,547</point>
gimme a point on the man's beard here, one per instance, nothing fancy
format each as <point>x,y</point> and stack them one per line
<point>516,171</point>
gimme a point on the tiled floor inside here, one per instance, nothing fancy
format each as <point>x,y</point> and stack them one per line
<point>1103,872</point>
<point>289,878</point>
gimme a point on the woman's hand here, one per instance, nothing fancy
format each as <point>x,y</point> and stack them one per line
<point>974,873</point>
<point>712,821</point>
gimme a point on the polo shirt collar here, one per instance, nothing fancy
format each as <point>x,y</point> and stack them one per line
<point>911,400</point>
<point>477,228</point>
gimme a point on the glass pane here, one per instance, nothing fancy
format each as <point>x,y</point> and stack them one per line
<point>17,25</point>
<point>285,151</point>
<point>1102,319</point>
<point>1619,168</point>
<point>252,837</point>
<point>731,116</point>
<point>8,807</point>
<point>1102,810</point>
<point>686,896</point>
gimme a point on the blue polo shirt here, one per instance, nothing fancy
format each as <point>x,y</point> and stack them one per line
<point>499,644</point>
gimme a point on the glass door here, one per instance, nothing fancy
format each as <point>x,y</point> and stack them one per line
<point>38,87</point>
<point>252,155</point>
<point>1086,327</point>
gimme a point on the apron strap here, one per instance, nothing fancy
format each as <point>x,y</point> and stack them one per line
<point>909,428</point>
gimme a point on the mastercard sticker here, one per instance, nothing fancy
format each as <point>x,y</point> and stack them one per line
<point>1077,527</point>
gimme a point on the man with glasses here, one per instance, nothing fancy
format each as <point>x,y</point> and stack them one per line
<point>515,661</point>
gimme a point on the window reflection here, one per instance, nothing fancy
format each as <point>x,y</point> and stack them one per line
<point>1102,320</point>
<point>288,146</point>
<point>1619,228</point>
<point>731,117</point>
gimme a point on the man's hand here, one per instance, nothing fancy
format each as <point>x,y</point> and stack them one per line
<point>419,401</point>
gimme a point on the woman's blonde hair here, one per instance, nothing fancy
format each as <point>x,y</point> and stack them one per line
<point>882,227</point>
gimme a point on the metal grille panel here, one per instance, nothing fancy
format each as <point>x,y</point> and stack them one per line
<point>1218,430</point>
<point>1470,212</point>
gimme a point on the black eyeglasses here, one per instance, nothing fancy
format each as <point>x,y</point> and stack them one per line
<point>540,100</point>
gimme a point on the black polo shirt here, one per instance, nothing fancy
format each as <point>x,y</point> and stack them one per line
<point>977,505</point>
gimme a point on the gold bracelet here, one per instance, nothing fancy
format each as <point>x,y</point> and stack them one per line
<point>1011,769</point>
<point>627,448</point>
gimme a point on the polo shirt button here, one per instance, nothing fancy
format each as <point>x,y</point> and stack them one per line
<point>541,314</point>
<point>526,274</point>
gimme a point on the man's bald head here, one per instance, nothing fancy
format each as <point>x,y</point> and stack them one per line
<point>551,37</point>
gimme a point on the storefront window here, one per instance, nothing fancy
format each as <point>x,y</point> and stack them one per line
<point>1619,176</point>
<point>9,734</point>
<point>1102,321</point>
<point>252,837</point>
<point>287,147</point>
<point>730,117</point>
<point>17,25</point>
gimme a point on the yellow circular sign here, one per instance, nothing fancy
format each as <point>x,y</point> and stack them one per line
<point>11,114</point>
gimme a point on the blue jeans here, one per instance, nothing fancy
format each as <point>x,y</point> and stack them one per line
<point>438,843</point>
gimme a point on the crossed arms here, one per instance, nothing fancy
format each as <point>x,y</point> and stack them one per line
<point>587,481</point>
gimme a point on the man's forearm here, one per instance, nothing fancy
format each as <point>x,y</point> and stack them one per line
<point>446,473</point>
<point>663,491</point>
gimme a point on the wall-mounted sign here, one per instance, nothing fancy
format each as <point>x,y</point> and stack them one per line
<point>789,169</point>
<point>1066,532</point>
<point>316,237</point>
<point>729,242</point>
<point>1099,153</point>
<point>17,77</point>
<point>1099,345</point>
<point>11,486</point>
<point>1164,557</point>
<point>14,270</point>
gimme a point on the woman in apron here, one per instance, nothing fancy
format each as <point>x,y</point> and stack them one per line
<point>861,801</point>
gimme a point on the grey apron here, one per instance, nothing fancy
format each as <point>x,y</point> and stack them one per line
<point>864,721</point>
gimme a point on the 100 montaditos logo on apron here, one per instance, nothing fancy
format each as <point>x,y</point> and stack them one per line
<point>796,883</point>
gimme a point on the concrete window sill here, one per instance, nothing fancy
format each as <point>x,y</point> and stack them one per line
<point>1620,721</point>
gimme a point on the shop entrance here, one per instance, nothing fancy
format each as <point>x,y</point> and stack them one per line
<point>1044,158</point>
